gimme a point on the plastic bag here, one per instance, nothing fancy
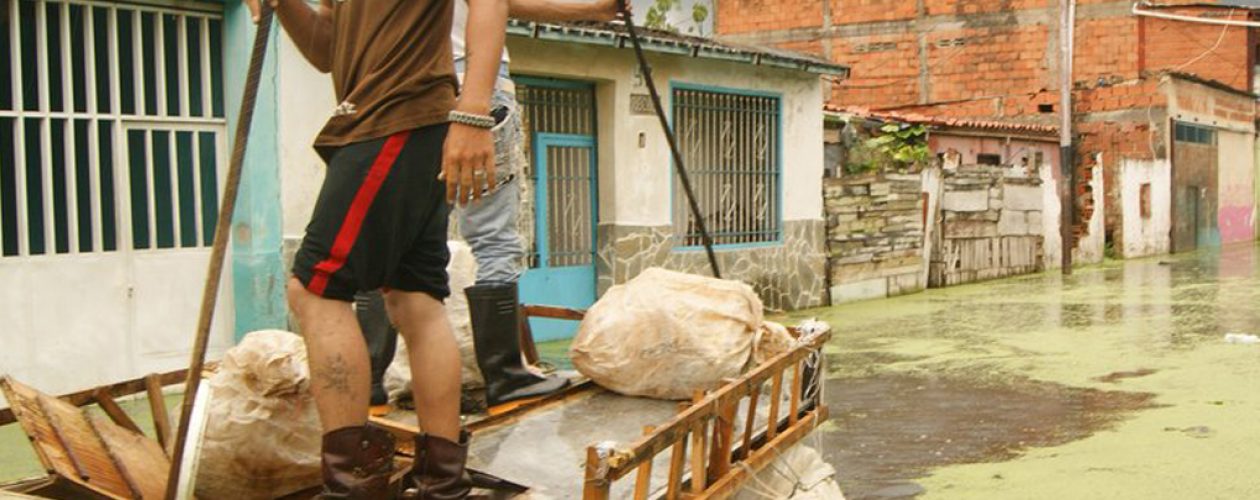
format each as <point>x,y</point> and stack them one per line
<point>462,272</point>
<point>798,474</point>
<point>262,435</point>
<point>666,335</point>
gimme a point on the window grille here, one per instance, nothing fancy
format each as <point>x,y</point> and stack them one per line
<point>562,107</point>
<point>730,144</point>
<point>111,126</point>
<point>1186,132</point>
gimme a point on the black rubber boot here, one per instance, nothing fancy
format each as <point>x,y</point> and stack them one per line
<point>495,315</point>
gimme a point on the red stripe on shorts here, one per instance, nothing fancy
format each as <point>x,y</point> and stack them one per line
<point>353,222</point>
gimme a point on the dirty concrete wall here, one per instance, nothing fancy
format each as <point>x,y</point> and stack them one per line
<point>1145,200</point>
<point>1091,240</point>
<point>1230,192</point>
<point>1051,176</point>
<point>875,235</point>
<point>1236,211</point>
<point>991,226</point>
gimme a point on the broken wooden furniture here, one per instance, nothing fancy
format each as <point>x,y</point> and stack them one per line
<point>88,455</point>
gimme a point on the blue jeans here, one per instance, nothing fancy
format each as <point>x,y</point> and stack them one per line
<point>490,226</point>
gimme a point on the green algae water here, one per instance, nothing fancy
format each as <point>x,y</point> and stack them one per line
<point>1113,383</point>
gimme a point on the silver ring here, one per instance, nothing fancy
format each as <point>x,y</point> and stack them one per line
<point>479,173</point>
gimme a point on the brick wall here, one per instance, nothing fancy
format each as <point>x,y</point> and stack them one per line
<point>745,16</point>
<point>1174,45</point>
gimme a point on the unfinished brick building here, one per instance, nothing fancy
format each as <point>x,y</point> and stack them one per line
<point>1136,79</point>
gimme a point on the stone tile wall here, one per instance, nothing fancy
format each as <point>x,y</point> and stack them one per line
<point>991,226</point>
<point>875,235</point>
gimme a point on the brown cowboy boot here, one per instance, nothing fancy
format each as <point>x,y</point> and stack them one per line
<point>438,472</point>
<point>357,462</point>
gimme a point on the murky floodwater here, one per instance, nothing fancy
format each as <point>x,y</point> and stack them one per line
<point>1113,383</point>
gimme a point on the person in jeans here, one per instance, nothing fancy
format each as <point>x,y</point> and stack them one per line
<point>490,228</point>
<point>380,220</point>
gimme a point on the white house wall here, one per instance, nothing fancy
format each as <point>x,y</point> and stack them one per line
<point>1145,236</point>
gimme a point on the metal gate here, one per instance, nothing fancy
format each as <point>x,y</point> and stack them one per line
<point>111,137</point>
<point>559,116</point>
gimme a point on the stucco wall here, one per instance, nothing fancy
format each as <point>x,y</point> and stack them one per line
<point>1236,208</point>
<point>1232,115</point>
<point>1144,236</point>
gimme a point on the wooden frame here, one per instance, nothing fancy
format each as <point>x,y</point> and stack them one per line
<point>722,467</point>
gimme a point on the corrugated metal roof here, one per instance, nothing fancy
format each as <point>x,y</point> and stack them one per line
<point>947,122</point>
<point>614,35</point>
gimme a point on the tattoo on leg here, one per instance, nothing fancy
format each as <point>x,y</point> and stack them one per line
<point>336,375</point>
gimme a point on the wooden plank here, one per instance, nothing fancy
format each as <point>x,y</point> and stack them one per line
<point>60,440</point>
<point>157,405</point>
<point>583,389</point>
<point>698,449</point>
<point>750,419</point>
<point>133,490</point>
<point>727,485</point>
<point>676,462</point>
<point>794,404</point>
<point>643,483</point>
<point>120,389</point>
<point>142,460</point>
<point>529,348</point>
<point>723,442</point>
<point>552,312</point>
<point>776,394</point>
<point>595,486</point>
<point>115,412</point>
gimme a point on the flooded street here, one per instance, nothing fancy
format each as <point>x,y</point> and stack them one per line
<point>1114,383</point>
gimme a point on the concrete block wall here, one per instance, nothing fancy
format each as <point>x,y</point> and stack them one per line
<point>991,226</point>
<point>875,235</point>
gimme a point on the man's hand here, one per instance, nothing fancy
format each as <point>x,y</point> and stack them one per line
<point>467,163</point>
<point>255,9</point>
<point>608,10</point>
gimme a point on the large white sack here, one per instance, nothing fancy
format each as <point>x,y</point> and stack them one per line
<point>462,270</point>
<point>666,334</point>
<point>798,474</point>
<point>262,435</point>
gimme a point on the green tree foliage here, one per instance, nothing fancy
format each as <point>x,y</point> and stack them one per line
<point>896,146</point>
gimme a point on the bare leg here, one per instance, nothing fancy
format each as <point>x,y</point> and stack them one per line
<point>435,362</point>
<point>340,373</point>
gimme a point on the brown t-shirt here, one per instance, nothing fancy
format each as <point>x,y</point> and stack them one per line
<point>391,68</point>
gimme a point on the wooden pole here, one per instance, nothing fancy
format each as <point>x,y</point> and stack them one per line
<point>214,273</point>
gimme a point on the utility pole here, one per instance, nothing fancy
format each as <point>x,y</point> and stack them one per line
<point>1067,191</point>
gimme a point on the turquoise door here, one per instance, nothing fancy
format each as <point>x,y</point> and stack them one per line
<point>562,270</point>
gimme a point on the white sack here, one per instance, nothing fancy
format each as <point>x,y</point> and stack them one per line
<point>666,334</point>
<point>462,270</point>
<point>798,474</point>
<point>262,434</point>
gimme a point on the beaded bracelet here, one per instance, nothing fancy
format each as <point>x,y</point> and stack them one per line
<point>471,119</point>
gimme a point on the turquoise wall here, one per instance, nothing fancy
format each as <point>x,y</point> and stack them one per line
<point>258,273</point>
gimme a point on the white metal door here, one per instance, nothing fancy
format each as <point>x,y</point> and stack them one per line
<point>112,134</point>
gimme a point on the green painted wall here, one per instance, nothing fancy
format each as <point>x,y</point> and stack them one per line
<point>258,273</point>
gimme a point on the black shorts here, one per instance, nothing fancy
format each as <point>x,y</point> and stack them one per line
<point>380,220</point>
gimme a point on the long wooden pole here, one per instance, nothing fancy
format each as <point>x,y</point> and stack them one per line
<point>684,179</point>
<point>214,274</point>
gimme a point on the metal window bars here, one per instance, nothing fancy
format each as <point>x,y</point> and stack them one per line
<point>111,126</point>
<point>730,143</point>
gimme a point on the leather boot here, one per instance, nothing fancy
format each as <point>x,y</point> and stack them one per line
<point>496,324</point>
<point>438,472</point>
<point>357,462</point>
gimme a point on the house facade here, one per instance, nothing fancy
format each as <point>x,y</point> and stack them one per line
<point>116,123</point>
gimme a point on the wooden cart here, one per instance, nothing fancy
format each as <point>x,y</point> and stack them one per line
<point>704,448</point>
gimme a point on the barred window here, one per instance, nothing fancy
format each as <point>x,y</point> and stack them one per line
<point>730,145</point>
<point>111,126</point>
<point>1185,132</point>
